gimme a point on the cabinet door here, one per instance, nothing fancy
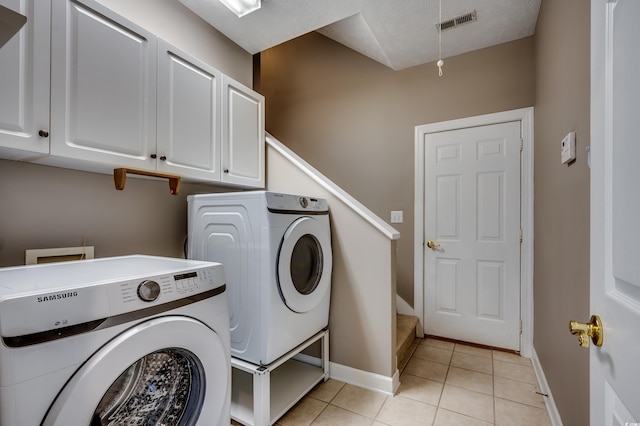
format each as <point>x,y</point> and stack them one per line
<point>188,115</point>
<point>103,74</point>
<point>24,83</point>
<point>243,136</point>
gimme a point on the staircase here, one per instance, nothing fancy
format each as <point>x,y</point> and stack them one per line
<point>406,340</point>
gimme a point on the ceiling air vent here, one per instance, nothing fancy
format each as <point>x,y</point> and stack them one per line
<point>457,21</point>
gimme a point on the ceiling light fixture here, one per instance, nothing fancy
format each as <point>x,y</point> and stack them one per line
<point>242,7</point>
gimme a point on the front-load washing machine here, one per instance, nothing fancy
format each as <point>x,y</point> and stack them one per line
<point>132,340</point>
<point>276,250</point>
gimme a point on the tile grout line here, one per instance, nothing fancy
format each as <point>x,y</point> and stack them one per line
<point>493,380</point>
<point>375,418</point>
<point>327,402</point>
<point>443,385</point>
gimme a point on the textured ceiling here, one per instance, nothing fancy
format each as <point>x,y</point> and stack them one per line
<point>396,33</point>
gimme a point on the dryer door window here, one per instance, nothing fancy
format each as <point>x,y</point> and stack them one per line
<point>165,387</point>
<point>145,373</point>
<point>304,264</point>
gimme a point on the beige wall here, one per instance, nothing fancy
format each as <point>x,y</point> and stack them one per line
<point>43,207</point>
<point>561,291</point>
<point>353,118</point>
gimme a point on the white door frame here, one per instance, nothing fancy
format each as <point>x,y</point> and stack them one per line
<point>525,116</point>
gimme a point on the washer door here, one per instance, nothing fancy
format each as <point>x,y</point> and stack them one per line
<point>304,264</point>
<point>169,370</point>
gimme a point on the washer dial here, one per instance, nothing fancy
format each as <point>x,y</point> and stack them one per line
<point>148,290</point>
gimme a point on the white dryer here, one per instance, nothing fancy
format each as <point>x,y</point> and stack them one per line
<point>126,340</point>
<point>276,250</point>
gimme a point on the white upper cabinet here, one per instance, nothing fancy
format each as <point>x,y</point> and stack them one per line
<point>24,83</point>
<point>189,115</point>
<point>243,135</point>
<point>83,87</point>
<point>103,87</point>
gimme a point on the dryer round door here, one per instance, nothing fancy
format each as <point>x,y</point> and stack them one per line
<point>169,370</point>
<point>304,264</point>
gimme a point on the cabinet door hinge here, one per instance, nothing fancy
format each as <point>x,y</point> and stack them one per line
<point>521,145</point>
<point>520,326</point>
<point>521,235</point>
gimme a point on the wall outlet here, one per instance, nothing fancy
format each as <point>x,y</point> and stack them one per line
<point>568,148</point>
<point>396,216</point>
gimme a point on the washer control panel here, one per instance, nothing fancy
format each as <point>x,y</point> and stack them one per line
<point>140,293</point>
<point>127,285</point>
<point>287,203</point>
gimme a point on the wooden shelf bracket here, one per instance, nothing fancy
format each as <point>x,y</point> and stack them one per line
<point>120,177</point>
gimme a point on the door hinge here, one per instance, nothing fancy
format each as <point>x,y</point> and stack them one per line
<point>520,326</point>
<point>521,235</point>
<point>521,145</point>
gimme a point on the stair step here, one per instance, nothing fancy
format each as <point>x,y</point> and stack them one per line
<point>406,340</point>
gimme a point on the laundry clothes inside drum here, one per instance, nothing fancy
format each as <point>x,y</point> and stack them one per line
<point>163,388</point>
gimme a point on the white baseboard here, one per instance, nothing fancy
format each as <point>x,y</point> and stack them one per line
<point>554,415</point>
<point>365,379</point>
<point>402,307</point>
<point>353,376</point>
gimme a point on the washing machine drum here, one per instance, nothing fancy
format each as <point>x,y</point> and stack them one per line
<point>304,264</point>
<point>165,371</point>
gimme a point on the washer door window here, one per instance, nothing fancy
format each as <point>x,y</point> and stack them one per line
<point>169,370</point>
<point>165,387</point>
<point>304,264</point>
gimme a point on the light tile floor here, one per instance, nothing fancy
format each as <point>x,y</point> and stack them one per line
<point>443,383</point>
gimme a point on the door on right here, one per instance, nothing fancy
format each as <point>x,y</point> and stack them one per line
<point>615,211</point>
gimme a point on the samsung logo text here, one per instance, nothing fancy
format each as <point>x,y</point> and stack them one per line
<point>57,296</point>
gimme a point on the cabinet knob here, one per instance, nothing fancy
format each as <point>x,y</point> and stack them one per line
<point>163,158</point>
<point>153,156</point>
<point>43,134</point>
<point>226,170</point>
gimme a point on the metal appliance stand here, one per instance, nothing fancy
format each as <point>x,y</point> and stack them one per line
<point>261,394</point>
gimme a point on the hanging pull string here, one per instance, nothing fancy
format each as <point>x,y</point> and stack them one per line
<point>440,62</point>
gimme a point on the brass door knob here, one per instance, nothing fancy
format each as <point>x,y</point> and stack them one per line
<point>433,245</point>
<point>591,329</point>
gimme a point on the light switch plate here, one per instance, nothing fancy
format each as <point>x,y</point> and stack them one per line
<point>568,148</point>
<point>396,216</point>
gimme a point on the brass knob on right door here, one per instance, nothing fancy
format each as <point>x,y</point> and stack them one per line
<point>592,329</point>
<point>433,245</point>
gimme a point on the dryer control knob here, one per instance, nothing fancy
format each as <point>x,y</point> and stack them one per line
<point>148,290</point>
<point>304,202</point>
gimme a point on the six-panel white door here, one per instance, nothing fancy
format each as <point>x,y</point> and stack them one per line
<point>472,216</point>
<point>615,206</point>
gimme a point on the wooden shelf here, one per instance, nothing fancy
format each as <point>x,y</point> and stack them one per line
<point>120,177</point>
